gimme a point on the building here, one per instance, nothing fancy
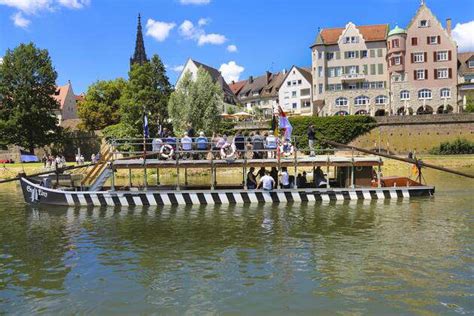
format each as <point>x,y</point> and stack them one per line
<point>139,56</point>
<point>295,92</point>
<point>66,99</point>
<point>236,87</point>
<point>350,70</point>
<point>465,78</point>
<point>262,92</point>
<point>422,66</point>
<point>192,66</point>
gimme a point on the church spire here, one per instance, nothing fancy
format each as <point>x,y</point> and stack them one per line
<point>139,57</point>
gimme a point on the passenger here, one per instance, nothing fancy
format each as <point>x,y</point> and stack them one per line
<point>285,178</point>
<point>202,144</point>
<point>186,145</point>
<point>156,145</point>
<point>261,172</point>
<point>319,178</point>
<point>274,174</point>
<point>251,180</point>
<point>305,180</point>
<point>239,142</point>
<point>299,181</point>
<point>271,143</point>
<point>267,182</point>
<point>191,133</point>
<point>257,142</point>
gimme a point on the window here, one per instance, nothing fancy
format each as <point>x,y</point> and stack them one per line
<point>293,94</point>
<point>354,39</point>
<point>442,73</point>
<point>304,92</point>
<point>350,54</point>
<point>424,23</point>
<point>380,69</point>
<point>404,95</point>
<point>395,43</point>
<point>420,74</point>
<point>320,55</point>
<point>353,70</point>
<point>288,83</point>
<point>432,40</point>
<point>299,81</point>
<point>321,87</point>
<point>329,56</point>
<point>306,104</point>
<point>352,86</point>
<point>293,82</point>
<point>445,93</point>
<point>424,94</point>
<point>372,53</point>
<point>294,105</point>
<point>341,102</point>
<point>442,56</point>
<point>414,41</point>
<point>471,64</point>
<point>397,60</point>
<point>381,99</point>
<point>331,72</point>
<point>363,54</point>
<point>320,71</point>
<point>380,84</point>
<point>372,69</point>
<point>361,100</point>
<point>338,71</point>
<point>418,57</point>
<point>379,52</point>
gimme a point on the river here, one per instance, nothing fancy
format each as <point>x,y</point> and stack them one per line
<point>368,257</point>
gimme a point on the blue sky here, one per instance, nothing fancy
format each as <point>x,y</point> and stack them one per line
<point>92,40</point>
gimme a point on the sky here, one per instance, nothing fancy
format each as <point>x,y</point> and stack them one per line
<point>91,40</point>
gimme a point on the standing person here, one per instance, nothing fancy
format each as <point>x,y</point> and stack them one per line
<point>271,143</point>
<point>93,158</point>
<point>266,182</point>
<point>191,132</point>
<point>261,172</point>
<point>285,178</point>
<point>257,142</point>
<point>239,142</point>
<point>44,159</point>
<point>274,174</point>
<point>251,180</point>
<point>311,138</point>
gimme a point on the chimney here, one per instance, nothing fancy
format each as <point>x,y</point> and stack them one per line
<point>448,26</point>
<point>233,81</point>
<point>268,75</point>
<point>251,79</point>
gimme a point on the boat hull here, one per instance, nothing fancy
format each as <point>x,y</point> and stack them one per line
<point>36,194</point>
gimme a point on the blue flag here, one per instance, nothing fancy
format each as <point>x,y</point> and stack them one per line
<point>146,133</point>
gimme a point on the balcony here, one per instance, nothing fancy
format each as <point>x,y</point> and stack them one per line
<point>353,77</point>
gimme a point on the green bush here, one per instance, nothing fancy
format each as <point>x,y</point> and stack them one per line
<point>459,146</point>
<point>341,129</point>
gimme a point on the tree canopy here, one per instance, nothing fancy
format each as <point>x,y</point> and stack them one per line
<point>27,85</point>
<point>101,104</point>
<point>196,102</point>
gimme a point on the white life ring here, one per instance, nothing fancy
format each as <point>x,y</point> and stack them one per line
<point>229,155</point>
<point>287,153</point>
<point>169,148</point>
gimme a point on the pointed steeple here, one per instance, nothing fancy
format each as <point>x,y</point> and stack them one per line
<point>139,57</point>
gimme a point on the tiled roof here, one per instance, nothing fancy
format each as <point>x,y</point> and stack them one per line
<point>306,72</point>
<point>271,89</point>
<point>463,58</point>
<point>237,86</point>
<point>61,93</point>
<point>255,85</point>
<point>370,33</point>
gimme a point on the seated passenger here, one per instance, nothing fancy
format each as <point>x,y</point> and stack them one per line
<point>201,142</point>
<point>285,178</point>
<point>156,144</point>
<point>186,144</point>
<point>319,178</point>
<point>267,182</point>
<point>251,180</point>
<point>239,142</point>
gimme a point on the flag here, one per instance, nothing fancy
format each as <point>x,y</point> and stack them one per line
<point>274,126</point>
<point>146,132</point>
<point>285,123</point>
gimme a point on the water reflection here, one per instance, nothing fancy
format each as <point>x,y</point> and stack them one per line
<point>393,256</point>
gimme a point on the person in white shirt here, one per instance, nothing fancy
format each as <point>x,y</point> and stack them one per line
<point>266,182</point>
<point>285,178</point>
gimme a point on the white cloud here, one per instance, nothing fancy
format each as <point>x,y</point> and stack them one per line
<point>20,21</point>
<point>189,31</point>
<point>28,6</point>
<point>214,39</point>
<point>203,21</point>
<point>197,2</point>
<point>178,68</point>
<point>74,4</point>
<point>158,30</point>
<point>231,71</point>
<point>463,34</point>
<point>232,48</point>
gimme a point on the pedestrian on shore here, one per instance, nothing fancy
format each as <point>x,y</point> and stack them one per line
<point>311,138</point>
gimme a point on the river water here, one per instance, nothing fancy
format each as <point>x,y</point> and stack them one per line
<point>390,257</point>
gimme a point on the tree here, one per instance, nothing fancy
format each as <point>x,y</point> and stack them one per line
<point>196,102</point>
<point>27,86</point>
<point>101,105</point>
<point>148,88</point>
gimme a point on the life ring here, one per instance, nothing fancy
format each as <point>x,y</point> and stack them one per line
<point>287,153</point>
<point>169,148</point>
<point>359,168</point>
<point>230,154</point>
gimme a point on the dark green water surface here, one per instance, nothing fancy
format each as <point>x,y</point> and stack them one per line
<point>374,257</point>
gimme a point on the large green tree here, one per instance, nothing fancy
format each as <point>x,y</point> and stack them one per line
<point>148,89</point>
<point>101,105</point>
<point>196,102</point>
<point>27,106</point>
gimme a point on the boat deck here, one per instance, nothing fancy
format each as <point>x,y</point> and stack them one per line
<point>342,161</point>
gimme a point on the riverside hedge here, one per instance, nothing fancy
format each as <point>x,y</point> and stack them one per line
<point>457,147</point>
<point>341,129</point>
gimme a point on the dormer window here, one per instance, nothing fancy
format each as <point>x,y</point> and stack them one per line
<point>470,64</point>
<point>424,23</point>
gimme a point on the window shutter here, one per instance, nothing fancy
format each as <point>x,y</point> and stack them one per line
<point>425,57</point>
<point>450,71</point>
<point>414,41</point>
<point>434,56</point>
<point>357,53</point>
<point>427,40</point>
<point>439,39</point>
<point>414,75</point>
<point>449,55</point>
<point>435,74</point>
<point>426,74</point>
<point>412,58</point>
<point>401,60</point>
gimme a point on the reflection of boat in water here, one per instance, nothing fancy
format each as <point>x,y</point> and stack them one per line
<point>350,177</point>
